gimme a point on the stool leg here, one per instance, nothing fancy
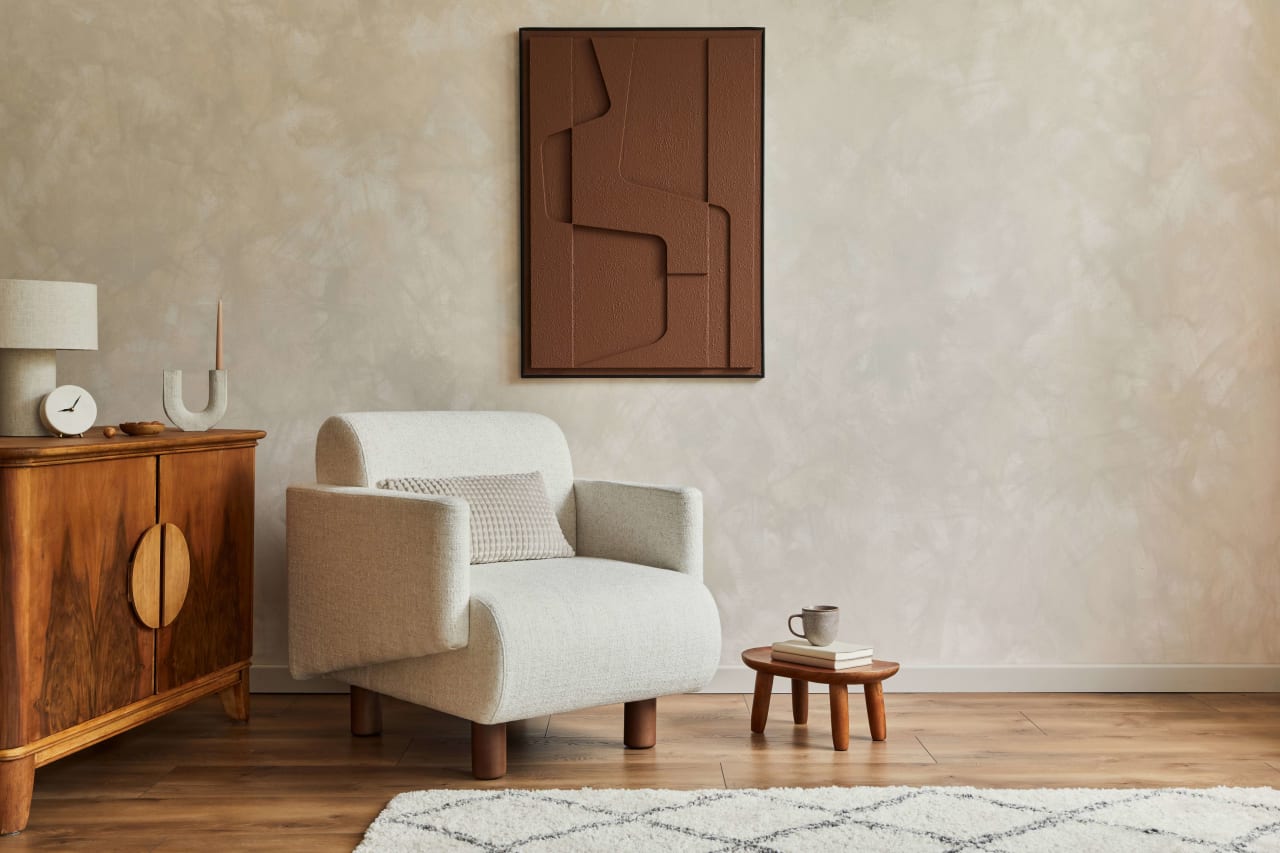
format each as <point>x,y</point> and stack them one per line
<point>760,704</point>
<point>799,701</point>
<point>840,716</point>
<point>874,694</point>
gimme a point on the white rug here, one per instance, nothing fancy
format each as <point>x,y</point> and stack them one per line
<point>831,819</point>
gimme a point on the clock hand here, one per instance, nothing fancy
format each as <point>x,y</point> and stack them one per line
<point>76,403</point>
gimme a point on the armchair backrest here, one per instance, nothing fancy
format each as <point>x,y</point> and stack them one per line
<point>361,448</point>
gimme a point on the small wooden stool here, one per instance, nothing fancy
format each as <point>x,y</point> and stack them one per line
<point>869,676</point>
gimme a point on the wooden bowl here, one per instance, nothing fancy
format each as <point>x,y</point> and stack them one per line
<point>142,427</point>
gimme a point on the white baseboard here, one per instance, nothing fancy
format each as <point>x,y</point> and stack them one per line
<point>1060,678</point>
<point>1052,678</point>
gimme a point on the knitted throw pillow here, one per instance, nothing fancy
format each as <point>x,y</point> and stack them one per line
<point>511,515</point>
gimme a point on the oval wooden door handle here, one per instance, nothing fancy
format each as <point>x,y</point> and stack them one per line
<point>159,575</point>
<point>177,573</point>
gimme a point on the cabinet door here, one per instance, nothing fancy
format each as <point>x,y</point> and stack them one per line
<point>70,646</point>
<point>209,496</point>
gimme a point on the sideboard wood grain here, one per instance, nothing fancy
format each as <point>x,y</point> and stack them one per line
<point>77,662</point>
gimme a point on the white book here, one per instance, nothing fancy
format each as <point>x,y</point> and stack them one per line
<point>835,651</point>
<point>822,663</point>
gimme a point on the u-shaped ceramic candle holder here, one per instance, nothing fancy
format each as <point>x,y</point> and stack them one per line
<point>185,419</point>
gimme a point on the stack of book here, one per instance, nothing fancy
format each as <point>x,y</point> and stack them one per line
<point>838,655</point>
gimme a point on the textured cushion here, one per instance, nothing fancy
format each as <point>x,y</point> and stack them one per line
<point>562,635</point>
<point>511,517</point>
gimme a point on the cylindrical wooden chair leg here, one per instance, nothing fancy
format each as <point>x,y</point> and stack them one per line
<point>488,750</point>
<point>366,712</point>
<point>640,724</point>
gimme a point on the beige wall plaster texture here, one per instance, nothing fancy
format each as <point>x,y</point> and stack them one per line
<point>1022,260</point>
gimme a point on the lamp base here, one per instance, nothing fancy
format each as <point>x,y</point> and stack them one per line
<point>26,375</point>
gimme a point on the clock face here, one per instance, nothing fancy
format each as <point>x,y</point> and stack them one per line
<point>68,410</point>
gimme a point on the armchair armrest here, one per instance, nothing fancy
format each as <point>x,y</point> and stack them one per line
<point>374,576</point>
<point>652,525</point>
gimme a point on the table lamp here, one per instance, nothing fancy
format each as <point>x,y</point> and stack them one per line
<point>38,318</point>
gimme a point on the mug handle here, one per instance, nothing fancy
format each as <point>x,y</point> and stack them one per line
<point>793,630</point>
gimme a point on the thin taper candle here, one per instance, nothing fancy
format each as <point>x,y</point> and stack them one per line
<point>217,358</point>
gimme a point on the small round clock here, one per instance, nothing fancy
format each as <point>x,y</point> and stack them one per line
<point>68,410</point>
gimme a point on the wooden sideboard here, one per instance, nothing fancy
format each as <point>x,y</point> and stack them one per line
<point>126,589</point>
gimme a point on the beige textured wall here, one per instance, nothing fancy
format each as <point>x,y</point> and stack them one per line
<point>1023,284</point>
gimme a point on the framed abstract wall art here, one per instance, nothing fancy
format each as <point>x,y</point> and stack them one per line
<point>642,222</point>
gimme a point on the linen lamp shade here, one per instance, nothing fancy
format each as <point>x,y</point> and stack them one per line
<point>38,318</point>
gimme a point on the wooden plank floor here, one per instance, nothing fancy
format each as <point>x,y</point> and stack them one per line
<point>294,779</point>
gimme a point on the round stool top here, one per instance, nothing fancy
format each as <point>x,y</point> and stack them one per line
<point>761,660</point>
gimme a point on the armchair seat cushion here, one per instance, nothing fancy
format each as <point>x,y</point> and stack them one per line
<point>550,636</point>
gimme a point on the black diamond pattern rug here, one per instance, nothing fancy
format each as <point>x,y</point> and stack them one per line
<point>1246,820</point>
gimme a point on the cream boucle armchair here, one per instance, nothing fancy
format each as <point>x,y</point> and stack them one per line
<point>382,595</point>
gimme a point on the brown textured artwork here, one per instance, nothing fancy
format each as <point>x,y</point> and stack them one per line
<point>642,202</point>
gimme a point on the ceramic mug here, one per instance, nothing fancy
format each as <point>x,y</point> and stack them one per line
<point>821,622</point>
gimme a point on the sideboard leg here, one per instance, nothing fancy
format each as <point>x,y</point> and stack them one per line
<point>235,699</point>
<point>366,712</point>
<point>17,778</point>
